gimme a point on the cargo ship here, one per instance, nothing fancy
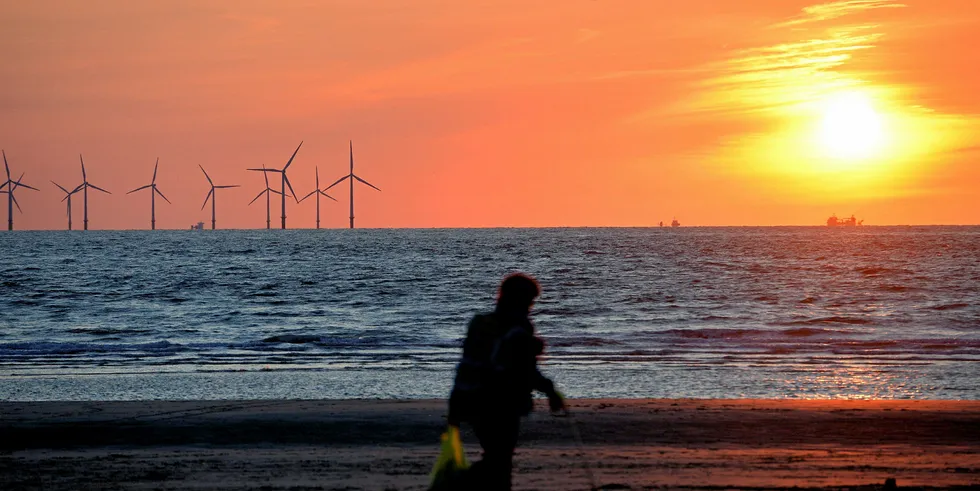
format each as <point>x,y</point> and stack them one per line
<point>833,221</point>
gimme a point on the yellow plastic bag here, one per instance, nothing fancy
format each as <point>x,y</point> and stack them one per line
<point>451,461</point>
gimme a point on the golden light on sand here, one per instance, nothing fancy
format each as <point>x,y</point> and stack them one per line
<point>851,128</point>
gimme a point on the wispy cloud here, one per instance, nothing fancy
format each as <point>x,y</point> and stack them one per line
<point>775,76</point>
<point>834,10</point>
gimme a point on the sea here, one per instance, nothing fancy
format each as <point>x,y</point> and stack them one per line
<point>745,312</point>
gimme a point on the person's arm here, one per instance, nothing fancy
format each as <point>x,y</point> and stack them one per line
<point>522,356</point>
<point>545,385</point>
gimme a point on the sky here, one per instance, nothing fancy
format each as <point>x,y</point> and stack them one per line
<point>501,113</point>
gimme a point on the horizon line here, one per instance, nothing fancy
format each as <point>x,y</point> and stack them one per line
<point>514,227</point>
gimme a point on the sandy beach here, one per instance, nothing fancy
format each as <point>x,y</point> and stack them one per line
<point>387,445</point>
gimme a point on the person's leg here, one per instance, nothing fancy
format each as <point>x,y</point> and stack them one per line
<point>498,437</point>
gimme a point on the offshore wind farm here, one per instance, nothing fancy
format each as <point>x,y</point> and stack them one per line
<point>284,191</point>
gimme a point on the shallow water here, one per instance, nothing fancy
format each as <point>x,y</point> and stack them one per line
<point>692,312</point>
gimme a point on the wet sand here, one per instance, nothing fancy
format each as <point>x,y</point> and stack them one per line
<point>388,445</point>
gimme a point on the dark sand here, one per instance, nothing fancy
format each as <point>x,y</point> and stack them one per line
<point>379,445</point>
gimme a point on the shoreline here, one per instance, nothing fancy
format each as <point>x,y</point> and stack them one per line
<point>391,444</point>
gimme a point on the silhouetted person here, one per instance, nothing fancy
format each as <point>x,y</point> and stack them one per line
<point>495,378</point>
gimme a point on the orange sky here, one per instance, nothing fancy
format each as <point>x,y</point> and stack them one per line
<point>498,113</point>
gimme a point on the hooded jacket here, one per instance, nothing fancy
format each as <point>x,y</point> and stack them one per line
<point>499,368</point>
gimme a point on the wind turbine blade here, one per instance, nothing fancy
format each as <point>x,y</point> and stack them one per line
<point>273,191</point>
<point>266,176</point>
<point>93,186</point>
<point>225,187</point>
<point>206,174</point>
<point>265,170</point>
<point>59,186</point>
<point>5,166</point>
<point>65,198</point>
<point>327,195</point>
<point>80,159</point>
<point>255,198</point>
<point>342,179</point>
<point>133,191</point>
<point>291,158</point>
<point>155,170</point>
<point>78,188</point>
<point>307,196</point>
<point>22,185</point>
<point>284,178</point>
<point>161,195</point>
<point>15,201</point>
<point>206,198</point>
<point>365,182</point>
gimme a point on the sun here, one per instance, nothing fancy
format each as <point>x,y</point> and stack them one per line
<point>851,129</point>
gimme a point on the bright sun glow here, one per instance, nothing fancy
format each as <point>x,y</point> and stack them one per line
<point>851,129</point>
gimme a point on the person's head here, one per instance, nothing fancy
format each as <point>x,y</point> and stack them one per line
<point>517,293</point>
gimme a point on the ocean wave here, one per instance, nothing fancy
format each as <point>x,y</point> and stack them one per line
<point>810,331</point>
<point>293,338</point>
<point>585,341</point>
<point>67,348</point>
<point>948,306</point>
<point>748,336</point>
<point>834,319</point>
<point>107,331</point>
<point>713,333</point>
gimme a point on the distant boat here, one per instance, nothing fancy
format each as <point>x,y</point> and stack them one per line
<point>675,223</point>
<point>833,221</point>
<point>199,226</point>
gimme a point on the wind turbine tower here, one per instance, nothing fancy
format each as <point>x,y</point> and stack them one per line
<point>153,192</point>
<point>211,194</point>
<point>351,176</point>
<point>11,185</point>
<point>67,198</point>
<point>285,182</point>
<point>318,193</point>
<point>84,187</point>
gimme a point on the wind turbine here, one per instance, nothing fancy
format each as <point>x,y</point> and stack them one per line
<point>67,198</point>
<point>211,195</point>
<point>268,202</point>
<point>351,176</point>
<point>11,185</point>
<point>84,187</point>
<point>318,193</point>
<point>153,192</point>
<point>285,182</point>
